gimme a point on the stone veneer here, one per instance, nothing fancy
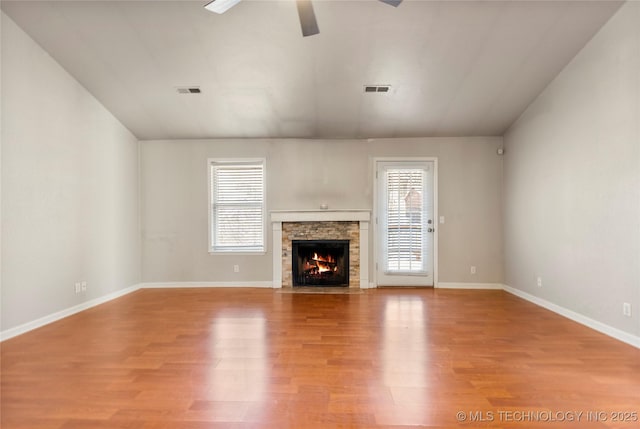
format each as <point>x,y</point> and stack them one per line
<point>321,231</point>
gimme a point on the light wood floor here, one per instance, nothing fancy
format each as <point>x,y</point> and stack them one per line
<point>251,358</point>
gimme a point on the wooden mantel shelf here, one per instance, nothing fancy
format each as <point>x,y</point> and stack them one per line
<point>320,216</point>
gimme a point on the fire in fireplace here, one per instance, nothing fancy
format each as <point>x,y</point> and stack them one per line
<point>320,262</point>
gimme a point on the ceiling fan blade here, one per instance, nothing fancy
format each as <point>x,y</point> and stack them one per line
<point>220,6</point>
<point>307,16</point>
<point>394,3</point>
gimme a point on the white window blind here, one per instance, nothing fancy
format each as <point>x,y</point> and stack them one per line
<point>237,206</point>
<point>405,240</point>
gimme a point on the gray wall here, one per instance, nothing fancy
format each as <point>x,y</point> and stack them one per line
<point>69,188</point>
<point>302,174</point>
<point>572,182</point>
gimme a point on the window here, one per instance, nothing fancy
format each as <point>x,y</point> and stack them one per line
<point>405,231</point>
<point>237,205</point>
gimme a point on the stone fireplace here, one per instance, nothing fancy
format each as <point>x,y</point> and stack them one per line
<point>321,231</point>
<point>293,230</point>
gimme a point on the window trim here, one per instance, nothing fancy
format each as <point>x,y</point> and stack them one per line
<point>231,161</point>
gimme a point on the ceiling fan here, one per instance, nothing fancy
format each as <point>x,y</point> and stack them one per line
<point>307,16</point>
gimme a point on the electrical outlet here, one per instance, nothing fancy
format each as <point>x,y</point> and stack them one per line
<point>626,309</point>
<point>236,268</point>
<point>473,269</point>
<point>441,219</point>
<point>539,281</point>
<point>83,286</point>
<point>77,287</point>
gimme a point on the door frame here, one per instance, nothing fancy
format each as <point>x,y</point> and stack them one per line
<point>436,218</point>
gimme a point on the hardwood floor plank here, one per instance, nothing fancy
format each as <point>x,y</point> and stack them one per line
<point>255,358</point>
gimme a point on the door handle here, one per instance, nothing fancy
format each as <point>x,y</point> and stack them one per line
<point>430,229</point>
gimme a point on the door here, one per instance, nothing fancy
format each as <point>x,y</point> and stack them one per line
<point>405,223</point>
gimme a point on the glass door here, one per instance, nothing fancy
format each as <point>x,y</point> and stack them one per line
<point>405,224</point>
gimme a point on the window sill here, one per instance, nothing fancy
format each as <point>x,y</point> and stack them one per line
<point>238,252</point>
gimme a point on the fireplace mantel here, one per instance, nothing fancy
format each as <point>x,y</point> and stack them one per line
<point>363,217</point>
<point>320,216</point>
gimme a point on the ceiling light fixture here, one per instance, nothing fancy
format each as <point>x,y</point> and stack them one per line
<point>221,6</point>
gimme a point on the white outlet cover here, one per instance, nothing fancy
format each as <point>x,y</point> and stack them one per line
<point>441,219</point>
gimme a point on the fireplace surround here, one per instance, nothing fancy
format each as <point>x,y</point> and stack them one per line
<point>352,225</point>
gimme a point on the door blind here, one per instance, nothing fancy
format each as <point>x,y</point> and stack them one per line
<point>405,241</point>
<point>237,206</point>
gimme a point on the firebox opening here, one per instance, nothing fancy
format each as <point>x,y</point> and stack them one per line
<point>320,262</point>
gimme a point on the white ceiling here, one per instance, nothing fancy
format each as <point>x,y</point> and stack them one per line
<point>455,68</point>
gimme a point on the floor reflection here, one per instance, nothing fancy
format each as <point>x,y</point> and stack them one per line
<point>405,357</point>
<point>240,376</point>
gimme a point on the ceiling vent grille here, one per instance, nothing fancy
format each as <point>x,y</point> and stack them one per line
<point>188,90</point>
<point>377,88</point>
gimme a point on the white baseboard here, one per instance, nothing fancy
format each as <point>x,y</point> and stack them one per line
<point>616,333</point>
<point>161,285</point>
<point>489,286</point>
<point>38,323</point>
<point>29,326</point>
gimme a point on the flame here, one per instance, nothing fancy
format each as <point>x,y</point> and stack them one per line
<point>323,268</point>
<point>327,258</point>
<point>324,263</point>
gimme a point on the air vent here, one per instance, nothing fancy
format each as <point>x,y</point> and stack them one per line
<point>377,88</point>
<point>188,90</point>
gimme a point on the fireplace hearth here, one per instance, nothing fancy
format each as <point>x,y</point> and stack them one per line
<point>320,262</point>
